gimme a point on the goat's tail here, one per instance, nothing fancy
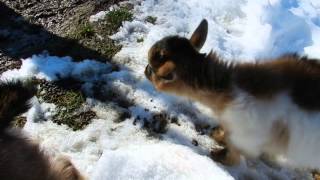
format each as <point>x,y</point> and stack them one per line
<point>14,100</point>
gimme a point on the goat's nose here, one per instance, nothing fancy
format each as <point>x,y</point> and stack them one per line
<point>148,71</point>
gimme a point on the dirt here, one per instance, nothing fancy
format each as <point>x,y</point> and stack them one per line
<point>62,28</point>
<point>31,26</point>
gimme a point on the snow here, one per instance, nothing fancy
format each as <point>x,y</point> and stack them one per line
<point>100,15</point>
<point>152,161</point>
<point>52,68</point>
<point>238,31</point>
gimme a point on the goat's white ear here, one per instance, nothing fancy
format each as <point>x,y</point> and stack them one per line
<point>199,36</point>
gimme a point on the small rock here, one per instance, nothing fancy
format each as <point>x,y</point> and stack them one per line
<point>195,142</point>
<point>159,123</point>
<point>202,128</point>
<point>174,120</point>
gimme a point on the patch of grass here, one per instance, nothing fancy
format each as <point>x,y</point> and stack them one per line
<point>94,36</point>
<point>116,17</point>
<point>109,50</point>
<point>70,99</point>
<point>151,19</point>
<point>84,31</point>
<point>73,119</point>
<point>65,94</point>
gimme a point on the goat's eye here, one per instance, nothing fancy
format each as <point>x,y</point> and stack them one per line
<point>168,77</point>
<point>162,57</point>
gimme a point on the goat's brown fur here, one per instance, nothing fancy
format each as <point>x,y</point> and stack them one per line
<point>20,158</point>
<point>208,79</point>
<point>299,75</point>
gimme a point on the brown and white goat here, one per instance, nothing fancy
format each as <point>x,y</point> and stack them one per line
<point>270,107</point>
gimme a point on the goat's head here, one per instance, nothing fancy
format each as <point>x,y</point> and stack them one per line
<point>173,60</point>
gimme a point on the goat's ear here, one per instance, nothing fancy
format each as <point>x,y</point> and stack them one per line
<point>199,36</point>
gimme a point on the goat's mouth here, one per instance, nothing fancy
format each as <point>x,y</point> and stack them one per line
<point>148,72</point>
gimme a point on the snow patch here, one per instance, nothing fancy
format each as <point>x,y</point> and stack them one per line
<point>157,161</point>
<point>52,68</point>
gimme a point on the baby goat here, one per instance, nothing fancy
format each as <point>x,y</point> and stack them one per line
<point>270,107</point>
